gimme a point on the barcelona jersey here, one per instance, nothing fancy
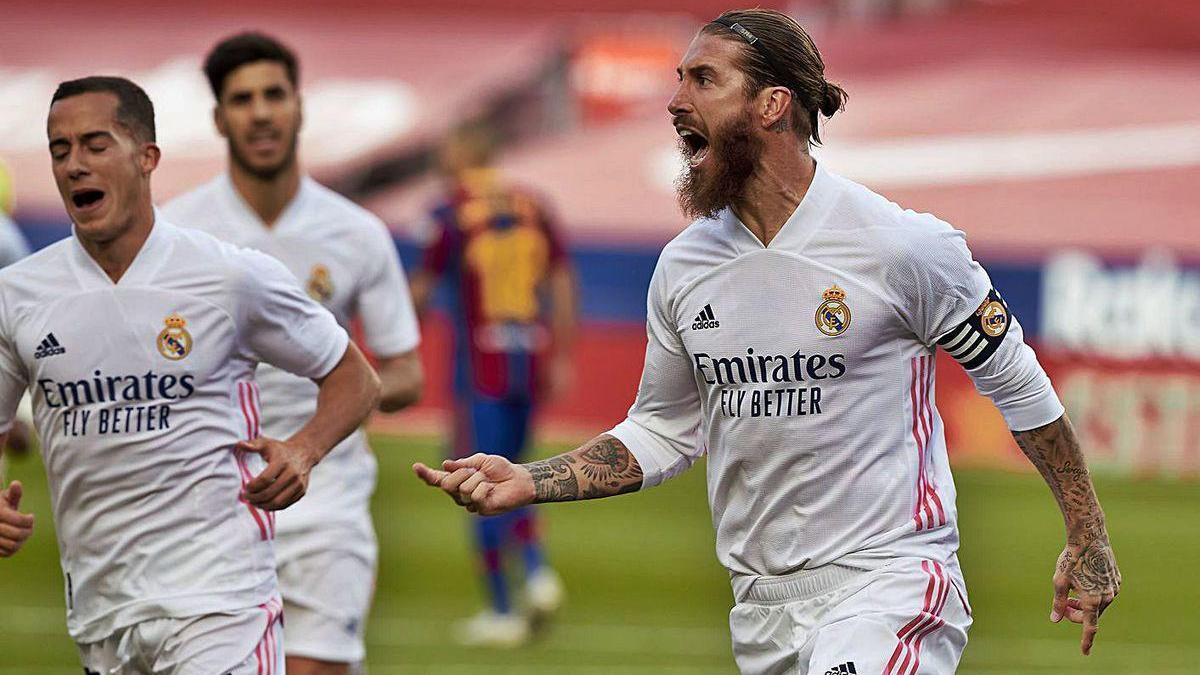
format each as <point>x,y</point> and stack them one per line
<point>496,246</point>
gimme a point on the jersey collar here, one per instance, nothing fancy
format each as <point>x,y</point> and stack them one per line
<point>248,217</point>
<point>149,258</point>
<point>800,226</point>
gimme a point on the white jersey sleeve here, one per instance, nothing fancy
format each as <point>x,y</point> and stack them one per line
<point>384,304</point>
<point>283,325</point>
<point>953,305</point>
<point>13,246</point>
<point>662,428</point>
<point>13,379</point>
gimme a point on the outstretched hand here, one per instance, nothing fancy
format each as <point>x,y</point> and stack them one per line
<point>15,527</point>
<point>1090,572</point>
<point>483,484</point>
<point>285,480</point>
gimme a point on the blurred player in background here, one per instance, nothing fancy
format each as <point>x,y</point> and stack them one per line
<point>13,247</point>
<point>513,307</point>
<point>792,331</point>
<point>344,255</point>
<point>138,340</point>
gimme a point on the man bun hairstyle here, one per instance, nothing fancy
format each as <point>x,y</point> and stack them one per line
<point>778,52</point>
<point>238,50</point>
<point>134,109</point>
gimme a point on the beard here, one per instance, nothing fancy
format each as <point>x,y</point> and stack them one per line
<point>264,173</point>
<point>731,162</point>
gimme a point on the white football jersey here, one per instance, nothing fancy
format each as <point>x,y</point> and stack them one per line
<point>345,258</point>
<point>140,391</point>
<point>805,370</point>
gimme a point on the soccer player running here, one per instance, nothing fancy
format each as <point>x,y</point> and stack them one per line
<point>325,547</point>
<point>794,327</point>
<point>513,309</point>
<point>138,341</point>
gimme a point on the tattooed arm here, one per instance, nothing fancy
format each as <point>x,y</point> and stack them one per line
<point>602,467</point>
<point>490,484</point>
<point>1087,565</point>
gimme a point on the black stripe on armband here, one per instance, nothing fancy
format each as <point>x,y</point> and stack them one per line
<point>973,341</point>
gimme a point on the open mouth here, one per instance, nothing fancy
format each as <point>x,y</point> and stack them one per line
<point>266,139</point>
<point>695,145</point>
<point>85,199</point>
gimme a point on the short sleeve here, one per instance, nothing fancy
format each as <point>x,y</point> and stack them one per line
<point>384,303</point>
<point>938,281</point>
<point>662,427</point>
<point>280,324</point>
<point>951,304</point>
<point>13,378</point>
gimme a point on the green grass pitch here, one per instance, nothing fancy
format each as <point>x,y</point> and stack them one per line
<point>647,595</point>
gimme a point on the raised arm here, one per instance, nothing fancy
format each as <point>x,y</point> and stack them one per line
<point>490,484</point>
<point>656,441</point>
<point>347,394</point>
<point>283,326</point>
<point>1087,565</point>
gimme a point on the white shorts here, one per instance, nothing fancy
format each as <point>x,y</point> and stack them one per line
<point>327,597</point>
<point>247,642</point>
<point>907,618</point>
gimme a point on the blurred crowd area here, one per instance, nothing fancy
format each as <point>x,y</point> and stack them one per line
<point>1062,136</point>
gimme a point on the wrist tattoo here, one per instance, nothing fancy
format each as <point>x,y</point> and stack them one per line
<point>554,480</point>
<point>601,468</point>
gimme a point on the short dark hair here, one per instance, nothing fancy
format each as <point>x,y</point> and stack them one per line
<point>236,51</point>
<point>134,109</point>
<point>782,55</point>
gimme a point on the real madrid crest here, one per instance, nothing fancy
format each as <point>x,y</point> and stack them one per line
<point>993,317</point>
<point>320,283</point>
<point>174,342</point>
<point>833,316</point>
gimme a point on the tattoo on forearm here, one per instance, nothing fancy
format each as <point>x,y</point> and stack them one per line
<point>554,479</point>
<point>1088,559</point>
<point>602,467</point>
<point>1055,451</point>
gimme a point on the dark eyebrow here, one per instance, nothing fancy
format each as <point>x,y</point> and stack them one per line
<point>698,70</point>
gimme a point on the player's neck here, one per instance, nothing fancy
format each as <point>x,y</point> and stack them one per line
<point>773,193</point>
<point>115,256</point>
<point>267,197</point>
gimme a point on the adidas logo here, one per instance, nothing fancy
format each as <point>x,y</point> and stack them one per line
<point>49,347</point>
<point>705,319</point>
<point>846,668</point>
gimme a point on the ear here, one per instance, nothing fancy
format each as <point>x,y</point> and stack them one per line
<point>299,113</point>
<point>148,161</point>
<point>219,121</point>
<point>776,105</point>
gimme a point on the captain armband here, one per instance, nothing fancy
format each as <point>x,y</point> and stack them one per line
<point>973,341</point>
